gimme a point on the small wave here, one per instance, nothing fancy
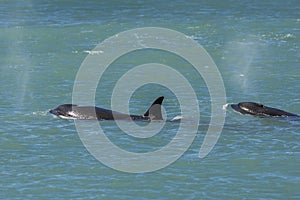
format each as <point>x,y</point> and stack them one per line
<point>86,31</point>
<point>279,37</point>
<point>41,113</point>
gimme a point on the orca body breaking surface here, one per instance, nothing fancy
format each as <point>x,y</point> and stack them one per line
<point>72,111</point>
<point>257,109</point>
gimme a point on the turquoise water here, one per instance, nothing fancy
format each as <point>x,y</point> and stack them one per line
<point>255,46</point>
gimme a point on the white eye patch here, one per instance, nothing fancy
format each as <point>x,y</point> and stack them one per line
<point>246,109</point>
<point>71,115</point>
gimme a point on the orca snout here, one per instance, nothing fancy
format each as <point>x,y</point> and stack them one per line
<point>54,111</point>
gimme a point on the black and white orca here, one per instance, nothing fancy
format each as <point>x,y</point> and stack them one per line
<point>257,109</point>
<point>72,111</point>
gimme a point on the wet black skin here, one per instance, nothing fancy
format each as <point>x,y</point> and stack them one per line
<point>260,110</point>
<point>72,111</point>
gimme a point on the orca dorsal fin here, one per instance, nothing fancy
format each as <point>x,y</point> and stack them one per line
<point>154,112</point>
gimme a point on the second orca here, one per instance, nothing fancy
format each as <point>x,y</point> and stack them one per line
<point>257,109</point>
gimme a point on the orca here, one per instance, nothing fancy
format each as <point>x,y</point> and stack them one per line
<point>72,111</point>
<point>260,110</point>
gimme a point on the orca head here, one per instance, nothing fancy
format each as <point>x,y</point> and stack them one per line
<point>251,108</point>
<point>64,111</point>
<point>260,110</point>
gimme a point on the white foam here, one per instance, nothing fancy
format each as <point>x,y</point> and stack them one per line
<point>93,52</point>
<point>289,35</point>
<point>178,117</point>
<point>225,106</point>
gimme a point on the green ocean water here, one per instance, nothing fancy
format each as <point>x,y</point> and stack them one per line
<point>255,46</point>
